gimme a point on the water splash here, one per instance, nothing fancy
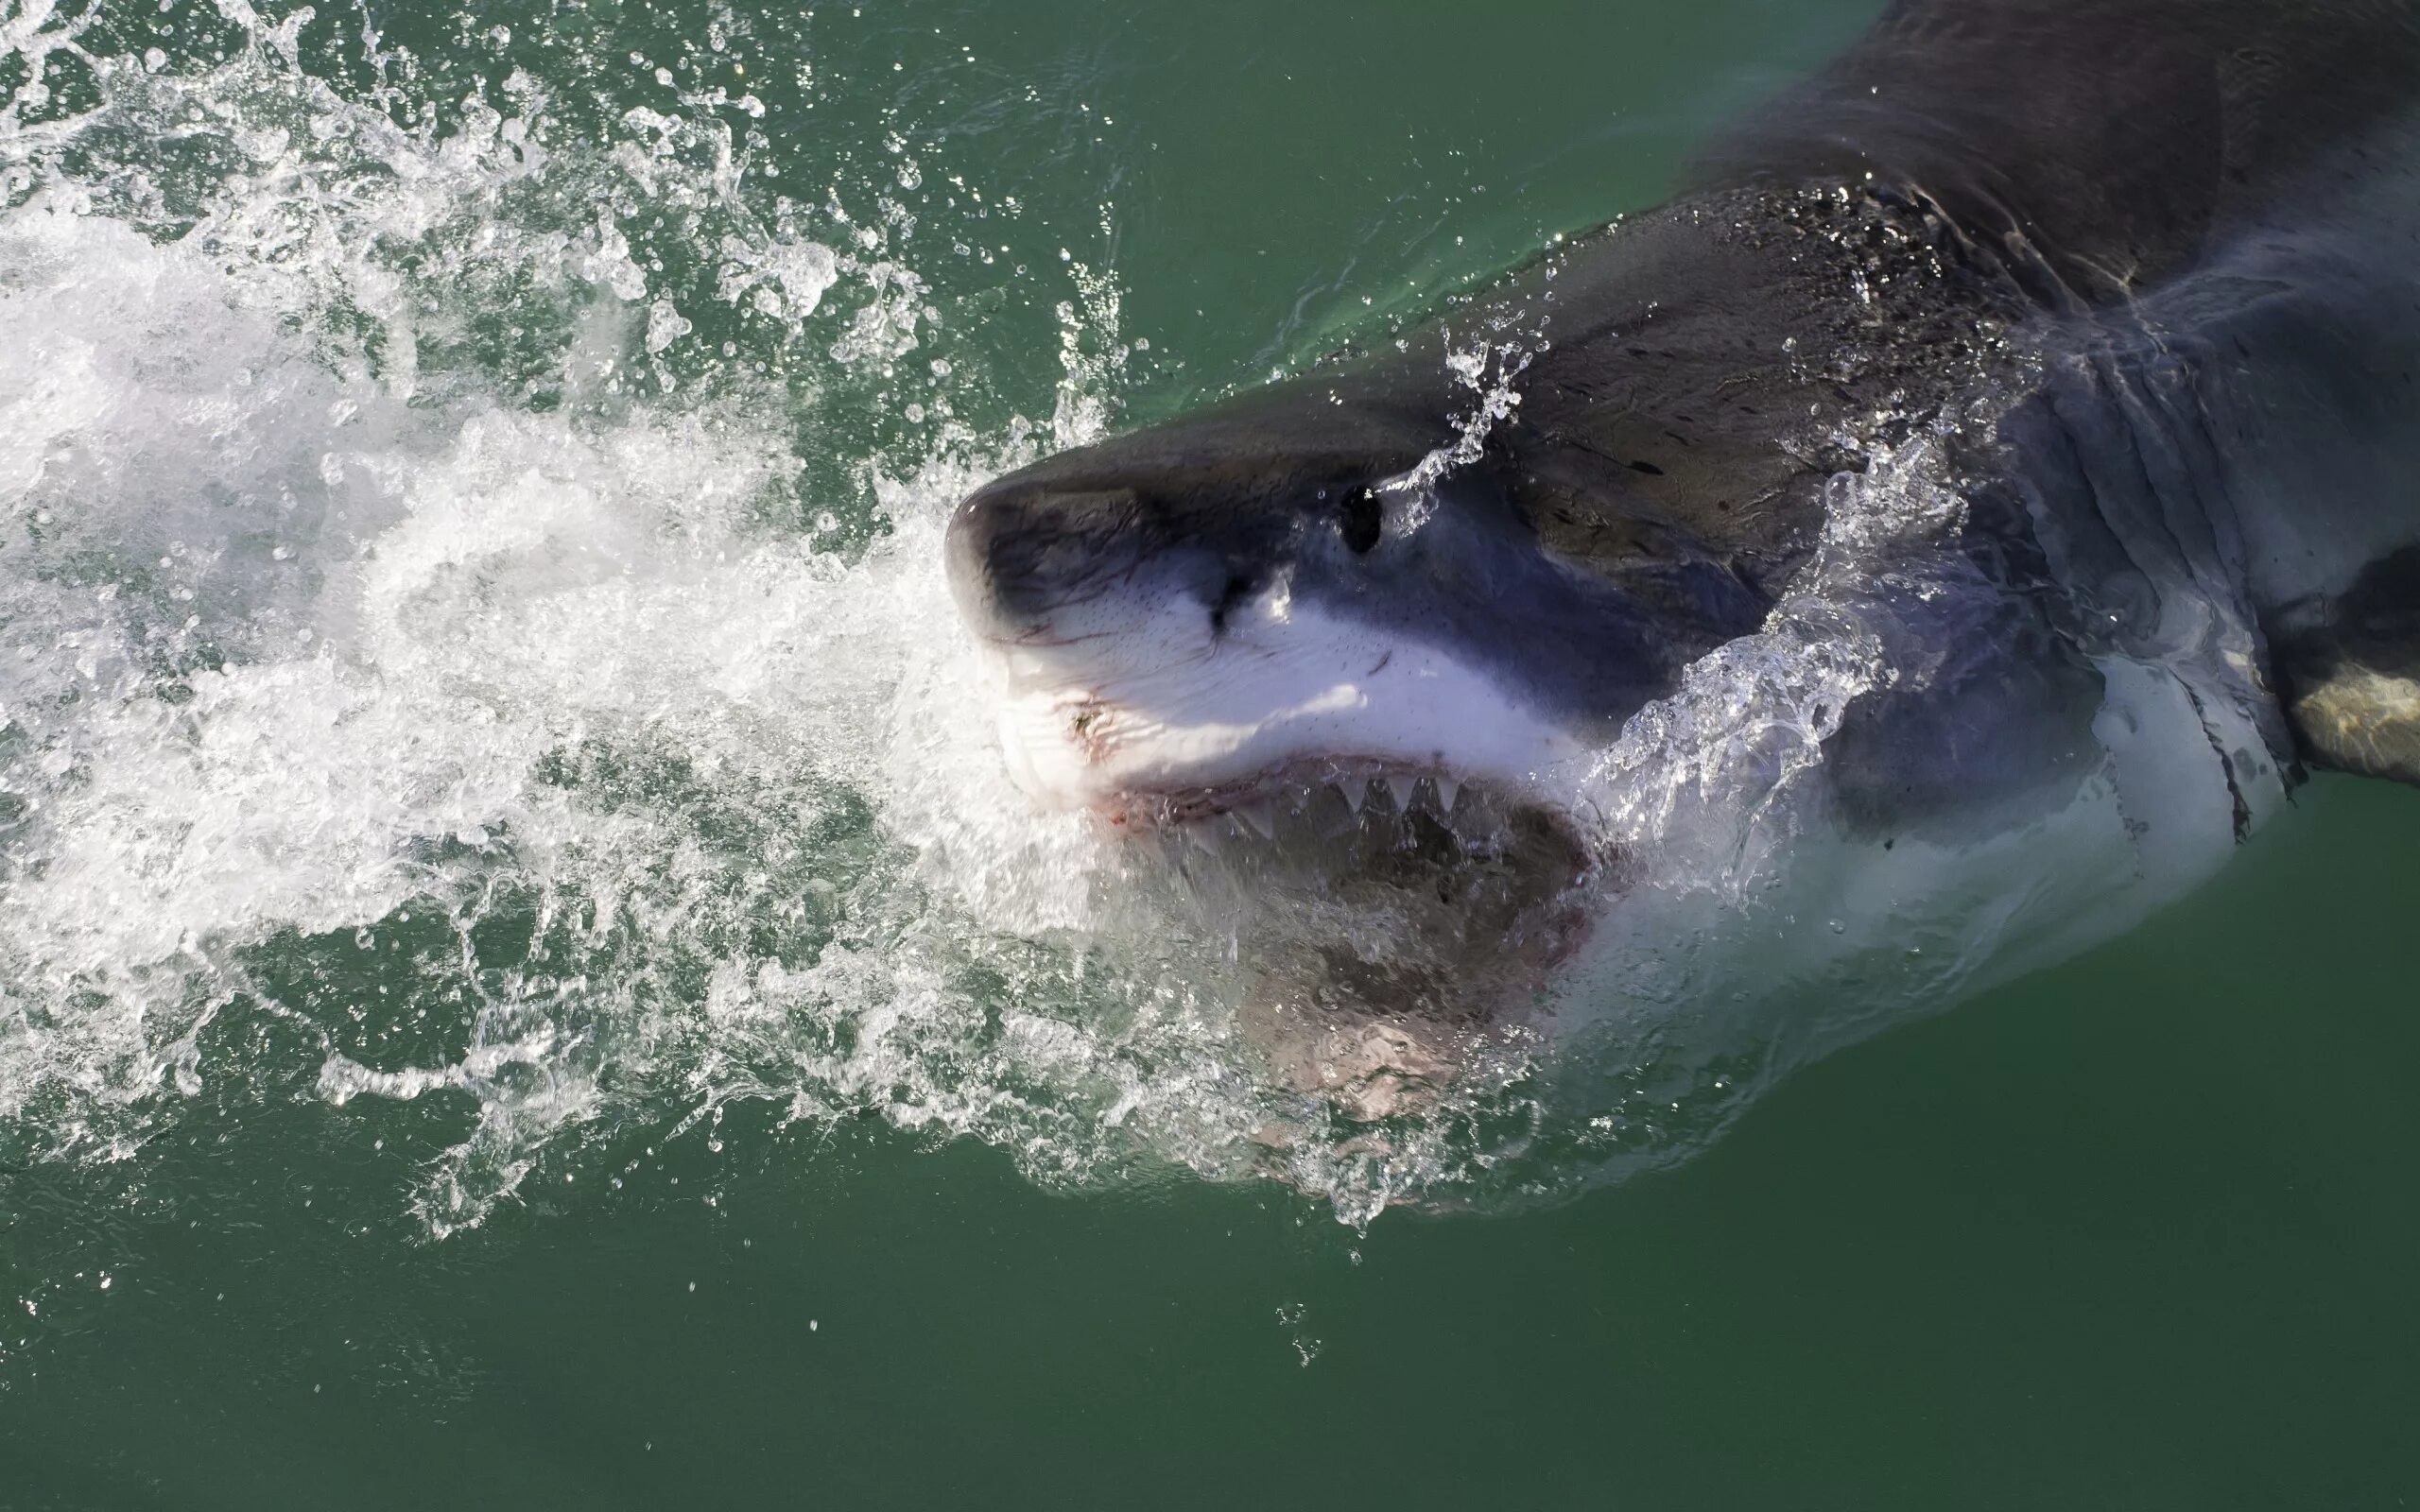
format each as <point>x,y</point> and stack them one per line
<point>475,606</point>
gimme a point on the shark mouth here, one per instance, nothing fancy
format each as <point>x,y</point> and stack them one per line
<point>1367,891</point>
<point>1368,823</point>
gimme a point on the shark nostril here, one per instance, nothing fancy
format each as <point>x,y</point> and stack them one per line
<point>1361,522</point>
<point>1239,588</point>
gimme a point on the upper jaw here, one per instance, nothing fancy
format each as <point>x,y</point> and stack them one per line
<point>1157,716</point>
<point>1137,768</point>
<point>1137,775</point>
<point>1354,781</point>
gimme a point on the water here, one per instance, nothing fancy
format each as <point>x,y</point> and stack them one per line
<point>512,986</point>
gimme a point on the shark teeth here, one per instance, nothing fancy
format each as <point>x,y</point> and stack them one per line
<point>1324,808</point>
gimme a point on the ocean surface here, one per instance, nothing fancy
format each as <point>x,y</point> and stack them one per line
<point>522,985</point>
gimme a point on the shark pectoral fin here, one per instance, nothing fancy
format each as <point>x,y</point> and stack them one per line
<point>2361,720</point>
<point>2352,673</point>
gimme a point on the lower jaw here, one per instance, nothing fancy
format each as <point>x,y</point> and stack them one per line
<point>1362,894</point>
<point>1341,790</point>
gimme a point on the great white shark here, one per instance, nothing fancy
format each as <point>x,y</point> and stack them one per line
<point>2052,362</point>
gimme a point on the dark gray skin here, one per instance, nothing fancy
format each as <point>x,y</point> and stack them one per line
<point>2172,239</point>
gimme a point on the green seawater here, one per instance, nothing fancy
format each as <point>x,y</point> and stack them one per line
<point>514,1058</point>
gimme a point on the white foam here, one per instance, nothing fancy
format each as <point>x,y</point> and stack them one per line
<point>296,649</point>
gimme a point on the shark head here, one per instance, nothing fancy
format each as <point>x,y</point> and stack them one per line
<point>1296,630</point>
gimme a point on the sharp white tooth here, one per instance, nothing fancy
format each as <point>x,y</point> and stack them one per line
<point>1260,817</point>
<point>1352,792</point>
<point>1447,791</point>
<point>1209,838</point>
<point>1401,788</point>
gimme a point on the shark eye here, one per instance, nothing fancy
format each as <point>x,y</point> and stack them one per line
<point>1362,517</point>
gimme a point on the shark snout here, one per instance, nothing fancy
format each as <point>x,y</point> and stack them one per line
<point>1020,552</point>
<point>1035,559</point>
